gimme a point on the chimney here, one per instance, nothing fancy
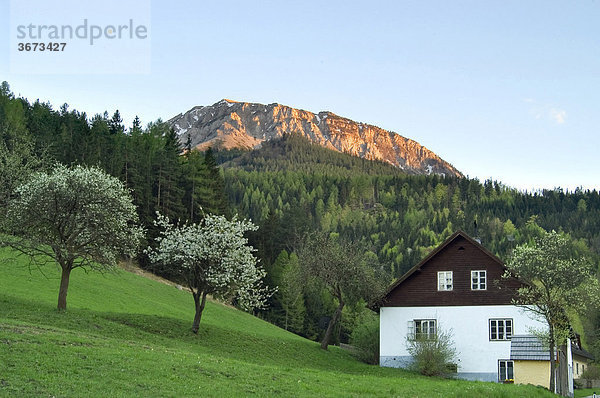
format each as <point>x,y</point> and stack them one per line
<point>476,237</point>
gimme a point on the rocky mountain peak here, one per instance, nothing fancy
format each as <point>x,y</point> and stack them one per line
<point>232,124</point>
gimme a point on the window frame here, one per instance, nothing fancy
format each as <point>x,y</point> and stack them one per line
<point>479,283</point>
<point>416,332</point>
<point>445,285</point>
<point>506,362</point>
<point>505,336</point>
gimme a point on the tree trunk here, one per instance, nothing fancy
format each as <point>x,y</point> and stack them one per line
<point>192,201</point>
<point>159,182</point>
<point>336,317</point>
<point>551,343</point>
<point>199,308</point>
<point>563,372</point>
<point>126,168</point>
<point>64,287</point>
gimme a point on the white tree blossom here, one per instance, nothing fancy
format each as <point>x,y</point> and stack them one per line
<point>212,257</point>
<point>77,217</point>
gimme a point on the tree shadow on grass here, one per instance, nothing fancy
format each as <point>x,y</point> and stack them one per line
<point>238,343</point>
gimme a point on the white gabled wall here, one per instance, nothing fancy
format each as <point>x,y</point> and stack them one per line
<point>470,331</point>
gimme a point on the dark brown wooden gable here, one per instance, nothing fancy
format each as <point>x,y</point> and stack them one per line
<point>461,255</point>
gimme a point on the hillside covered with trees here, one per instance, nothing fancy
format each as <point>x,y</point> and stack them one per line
<point>288,188</point>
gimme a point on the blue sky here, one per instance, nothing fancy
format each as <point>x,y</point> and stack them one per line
<point>502,89</point>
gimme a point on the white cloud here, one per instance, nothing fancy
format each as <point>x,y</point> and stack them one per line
<point>558,115</point>
<point>546,111</point>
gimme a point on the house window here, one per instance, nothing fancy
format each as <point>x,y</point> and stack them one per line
<point>478,280</point>
<point>445,280</point>
<point>501,329</point>
<point>505,370</point>
<point>577,368</point>
<point>422,329</point>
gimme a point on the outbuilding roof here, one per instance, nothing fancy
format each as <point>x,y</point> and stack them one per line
<point>531,348</point>
<point>528,348</point>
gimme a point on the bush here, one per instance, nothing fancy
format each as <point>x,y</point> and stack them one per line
<point>365,339</point>
<point>433,356</point>
<point>591,372</point>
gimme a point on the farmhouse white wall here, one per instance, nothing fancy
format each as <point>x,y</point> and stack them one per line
<point>477,355</point>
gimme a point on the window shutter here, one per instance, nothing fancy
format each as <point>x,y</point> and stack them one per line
<point>411,329</point>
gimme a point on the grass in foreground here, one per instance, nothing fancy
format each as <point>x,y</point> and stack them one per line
<point>124,335</point>
<point>586,392</point>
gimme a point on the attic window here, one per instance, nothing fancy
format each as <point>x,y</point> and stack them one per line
<point>478,280</point>
<point>444,280</point>
<point>461,248</point>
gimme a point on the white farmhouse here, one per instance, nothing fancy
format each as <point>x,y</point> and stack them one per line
<point>457,287</point>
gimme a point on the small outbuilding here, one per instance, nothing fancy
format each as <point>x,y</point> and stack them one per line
<point>531,360</point>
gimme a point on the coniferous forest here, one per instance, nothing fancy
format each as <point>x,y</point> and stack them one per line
<point>288,188</point>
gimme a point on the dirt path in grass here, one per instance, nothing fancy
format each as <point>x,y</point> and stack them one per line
<point>130,266</point>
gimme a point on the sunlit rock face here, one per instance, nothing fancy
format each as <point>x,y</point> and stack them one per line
<point>230,124</point>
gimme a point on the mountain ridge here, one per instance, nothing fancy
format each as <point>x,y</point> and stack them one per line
<point>231,124</point>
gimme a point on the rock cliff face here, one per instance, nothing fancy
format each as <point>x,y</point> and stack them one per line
<point>230,124</point>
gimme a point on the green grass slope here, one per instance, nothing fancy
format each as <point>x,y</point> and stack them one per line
<point>124,335</point>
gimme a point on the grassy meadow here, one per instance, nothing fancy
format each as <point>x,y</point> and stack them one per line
<point>124,335</point>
